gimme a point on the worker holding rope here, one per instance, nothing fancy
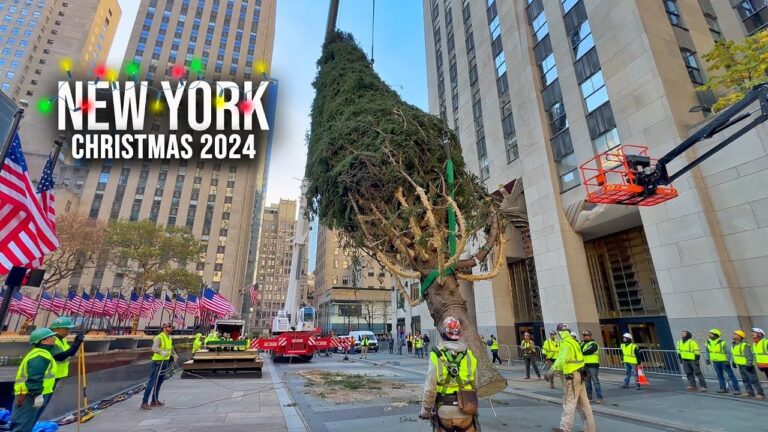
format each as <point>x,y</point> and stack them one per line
<point>162,348</point>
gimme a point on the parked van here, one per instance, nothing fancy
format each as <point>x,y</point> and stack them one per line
<point>373,343</point>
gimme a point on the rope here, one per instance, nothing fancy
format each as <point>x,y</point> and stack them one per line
<point>373,27</point>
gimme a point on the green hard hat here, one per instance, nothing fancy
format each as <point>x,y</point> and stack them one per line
<point>40,334</point>
<point>62,322</point>
<point>199,335</point>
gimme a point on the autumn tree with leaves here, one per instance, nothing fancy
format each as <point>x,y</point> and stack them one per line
<point>377,171</point>
<point>736,68</point>
<point>81,241</point>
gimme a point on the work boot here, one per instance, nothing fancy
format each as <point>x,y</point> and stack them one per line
<point>703,389</point>
<point>746,395</point>
<point>691,388</point>
<point>157,404</point>
<point>760,397</point>
<point>737,394</point>
<point>599,402</point>
<point>623,386</point>
<point>527,378</point>
<point>638,387</point>
<point>145,407</point>
<point>722,391</point>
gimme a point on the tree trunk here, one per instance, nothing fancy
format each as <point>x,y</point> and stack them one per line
<point>135,325</point>
<point>446,301</point>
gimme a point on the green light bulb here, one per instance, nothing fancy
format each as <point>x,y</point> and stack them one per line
<point>196,65</point>
<point>45,106</point>
<point>132,68</point>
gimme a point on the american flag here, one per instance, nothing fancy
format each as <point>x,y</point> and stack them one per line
<point>148,306</point>
<point>168,304</point>
<point>193,308</point>
<point>45,191</point>
<point>86,304</point>
<point>253,290</point>
<point>46,302</point>
<point>26,229</point>
<point>74,303</point>
<point>135,307</point>
<point>178,320</point>
<point>216,303</point>
<point>58,303</point>
<point>122,306</point>
<point>110,306</point>
<point>23,305</point>
<point>98,305</point>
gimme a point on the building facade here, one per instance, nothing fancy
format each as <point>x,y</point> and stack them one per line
<point>534,89</point>
<point>38,38</point>
<point>278,230</point>
<point>352,291</point>
<point>221,201</point>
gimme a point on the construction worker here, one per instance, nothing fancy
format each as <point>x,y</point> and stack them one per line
<point>212,337</point>
<point>35,380</point>
<point>529,355</point>
<point>591,353</point>
<point>418,344</point>
<point>197,343</point>
<point>745,361</point>
<point>61,327</point>
<point>760,349</point>
<point>717,356</point>
<point>364,347</point>
<point>630,355</point>
<point>551,348</point>
<point>689,354</point>
<point>452,368</point>
<point>494,344</point>
<point>570,365</point>
<point>162,347</point>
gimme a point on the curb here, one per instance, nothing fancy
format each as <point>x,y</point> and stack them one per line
<point>294,420</point>
<point>608,412</point>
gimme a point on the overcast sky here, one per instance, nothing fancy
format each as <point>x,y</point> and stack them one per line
<point>398,53</point>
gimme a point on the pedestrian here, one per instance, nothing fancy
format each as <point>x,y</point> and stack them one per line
<point>197,343</point>
<point>591,353</point>
<point>760,349</point>
<point>364,347</point>
<point>35,380</point>
<point>494,344</point>
<point>744,359</point>
<point>630,355</point>
<point>425,338</point>
<point>450,391</point>
<point>551,348</point>
<point>717,356</point>
<point>410,344</point>
<point>401,344</point>
<point>391,339</point>
<point>529,355</point>
<point>689,354</point>
<point>61,326</point>
<point>418,344</point>
<point>162,348</point>
<point>570,365</point>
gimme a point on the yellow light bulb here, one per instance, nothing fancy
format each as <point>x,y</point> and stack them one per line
<point>157,106</point>
<point>261,66</point>
<point>219,102</point>
<point>112,75</point>
<point>66,64</point>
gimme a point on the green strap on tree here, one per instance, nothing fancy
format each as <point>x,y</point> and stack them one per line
<point>449,175</point>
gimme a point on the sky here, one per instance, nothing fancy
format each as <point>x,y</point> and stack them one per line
<point>399,58</point>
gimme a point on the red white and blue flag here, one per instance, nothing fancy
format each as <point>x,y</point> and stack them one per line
<point>253,290</point>
<point>23,305</point>
<point>216,303</point>
<point>192,308</point>
<point>168,304</point>
<point>27,233</point>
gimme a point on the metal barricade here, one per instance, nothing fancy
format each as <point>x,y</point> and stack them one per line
<point>505,349</point>
<point>662,362</point>
<point>611,358</point>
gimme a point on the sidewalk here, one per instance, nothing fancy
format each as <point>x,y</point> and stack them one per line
<point>664,403</point>
<point>226,404</point>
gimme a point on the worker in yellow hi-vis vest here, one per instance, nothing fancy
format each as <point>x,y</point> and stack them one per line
<point>689,354</point>
<point>551,349</point>
<point>717,354</point>
<point>162,349</point>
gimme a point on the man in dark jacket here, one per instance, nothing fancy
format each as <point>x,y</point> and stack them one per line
<point>689,354</point>
<point>591,365</point>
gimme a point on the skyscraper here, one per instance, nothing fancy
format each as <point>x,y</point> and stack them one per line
<point>535,88</point>
<point>278,229</point>
<point>38,38</point>
<point>219,200</point>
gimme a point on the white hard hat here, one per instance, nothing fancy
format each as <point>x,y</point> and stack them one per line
<point>627,335</point>
<point>758,330</point>
<point>574,335</point>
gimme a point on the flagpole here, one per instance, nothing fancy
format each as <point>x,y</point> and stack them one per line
<point>39,299</point>
<point>186,305</point>
<point>173,311</point>
<point>48,316</point>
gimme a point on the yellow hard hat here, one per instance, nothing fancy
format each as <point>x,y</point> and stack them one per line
<point>740,333</point>
<point>716,332</point>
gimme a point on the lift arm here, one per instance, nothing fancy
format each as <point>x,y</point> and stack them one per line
<point>652,177</point>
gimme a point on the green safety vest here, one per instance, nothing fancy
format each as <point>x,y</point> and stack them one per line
<point>551,348</point>
<point>688,350</point>
<point>166,345</point>
<point>365,342</point>
<point>576,359</point>
<point>628,353</point>
<point>738,354</point>
<point>716,350</point>
<point>418,343</point>
<point>62,367</point>
<point>760,348</point>
<point>590,359</point>
<point>448,384</point>
<point>196,345</point>
<point>494,344</point>
<point>49,379</point>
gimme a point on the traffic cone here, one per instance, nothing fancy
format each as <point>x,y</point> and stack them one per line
<point>641,378</point>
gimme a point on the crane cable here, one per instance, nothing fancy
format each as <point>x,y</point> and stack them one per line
<point>373,27</point>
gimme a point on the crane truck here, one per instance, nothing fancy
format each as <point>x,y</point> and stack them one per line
<point>293,331</point>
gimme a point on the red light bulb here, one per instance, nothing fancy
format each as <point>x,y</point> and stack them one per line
<point>100,71</point>
<point>246,106</point>
<point>177,71</point>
